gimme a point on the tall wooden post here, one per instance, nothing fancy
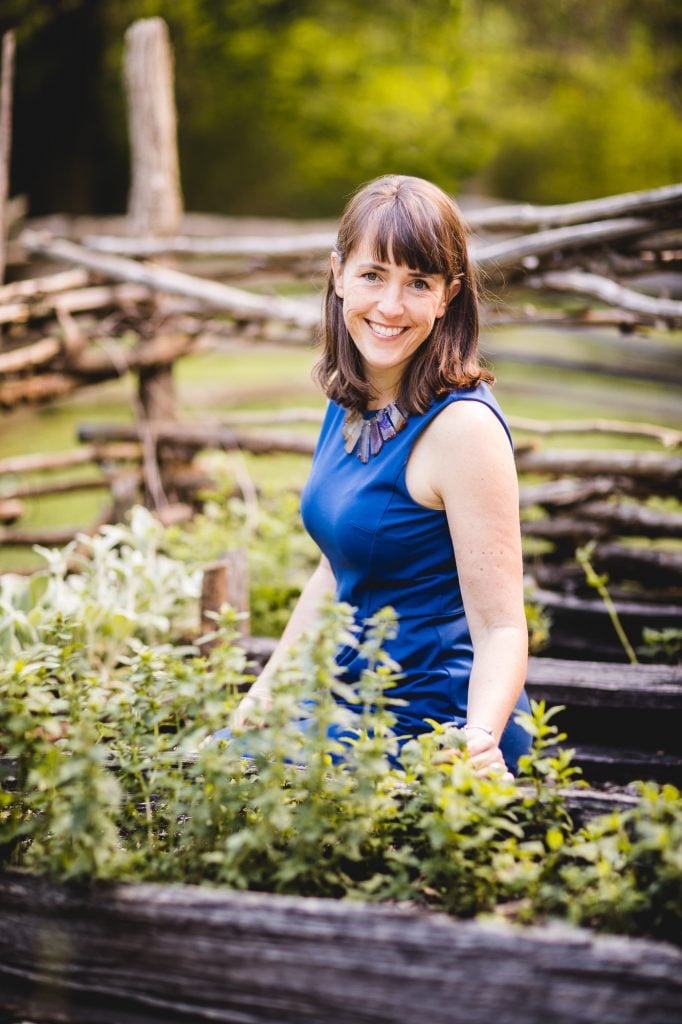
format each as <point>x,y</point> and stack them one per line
<point>155,199</point>
<point>6,80</point>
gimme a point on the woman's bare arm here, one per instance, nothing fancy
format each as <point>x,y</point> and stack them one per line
<point>471,468</point>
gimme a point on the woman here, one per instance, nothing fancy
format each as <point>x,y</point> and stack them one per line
<point>412,496</point>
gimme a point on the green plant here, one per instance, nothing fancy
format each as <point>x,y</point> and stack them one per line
<point>116,585</point>
<point>105,774</point>
<point>281,556</point>
<point>584,558</point>
<point>539,623</point>
<point>622,872</point>
<point>662,643</point>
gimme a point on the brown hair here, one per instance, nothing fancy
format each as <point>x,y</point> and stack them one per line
<point>415,224</point>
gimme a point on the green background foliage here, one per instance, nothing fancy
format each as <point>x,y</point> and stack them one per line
<point>285,107</point>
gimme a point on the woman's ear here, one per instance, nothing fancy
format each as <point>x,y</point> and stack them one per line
<point>452,289</point>
<point>337,272</point>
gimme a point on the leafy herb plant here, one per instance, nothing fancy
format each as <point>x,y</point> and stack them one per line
<point>108,769</point>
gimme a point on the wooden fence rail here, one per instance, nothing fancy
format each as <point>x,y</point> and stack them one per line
<point>138,954</point>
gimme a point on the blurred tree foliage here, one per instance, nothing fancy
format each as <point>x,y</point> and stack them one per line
<point>286,105</point>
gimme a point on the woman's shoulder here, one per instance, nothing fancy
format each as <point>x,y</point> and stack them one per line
<point>462,411</point>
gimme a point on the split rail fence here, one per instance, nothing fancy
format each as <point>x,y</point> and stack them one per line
<point>175,282</point>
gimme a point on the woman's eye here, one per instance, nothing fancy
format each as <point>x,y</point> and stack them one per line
<point>370,276</point>
<point>421,285</point>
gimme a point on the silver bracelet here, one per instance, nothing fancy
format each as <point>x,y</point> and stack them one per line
<point>482,728</point>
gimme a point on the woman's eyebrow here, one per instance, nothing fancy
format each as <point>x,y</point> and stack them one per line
<point>383,266</point>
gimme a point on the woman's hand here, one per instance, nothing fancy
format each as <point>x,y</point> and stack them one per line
<point>484,753</point>
<point>255,701</point>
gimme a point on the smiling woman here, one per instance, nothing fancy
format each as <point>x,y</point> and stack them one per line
<point>389,310</point>
<point>425,519</point>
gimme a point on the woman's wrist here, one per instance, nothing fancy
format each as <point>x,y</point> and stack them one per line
<point>476,726</point>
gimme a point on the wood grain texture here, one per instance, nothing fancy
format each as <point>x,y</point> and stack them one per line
<point>140,954</point>
<point>600,683</point>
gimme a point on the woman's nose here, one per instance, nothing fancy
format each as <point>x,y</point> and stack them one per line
<point>391,301</point>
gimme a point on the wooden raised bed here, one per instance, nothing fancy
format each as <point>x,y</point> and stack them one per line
<point>137,954</point>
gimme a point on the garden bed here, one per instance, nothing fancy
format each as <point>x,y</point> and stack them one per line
<point>133,954</point>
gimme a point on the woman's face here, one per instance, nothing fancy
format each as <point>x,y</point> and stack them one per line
<point>389,310</point>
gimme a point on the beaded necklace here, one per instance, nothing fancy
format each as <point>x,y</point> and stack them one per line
<point>367,436</point>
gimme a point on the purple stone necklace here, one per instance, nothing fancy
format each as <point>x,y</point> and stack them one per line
<point>368,435</point>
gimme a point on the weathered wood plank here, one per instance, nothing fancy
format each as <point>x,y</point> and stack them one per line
<point>600,683</point>
<point>650,466</point>
<point>585,683</point>
<point>213,294</point>
<point>587,620</point>
<point>200,436</point>
<point>602,288</point>
<point>621,766</point>
<point>133,954</point>
<point>495,218</point>
<point>18,464</point>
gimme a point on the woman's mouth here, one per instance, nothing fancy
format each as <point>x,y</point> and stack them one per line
<point>385,332</point>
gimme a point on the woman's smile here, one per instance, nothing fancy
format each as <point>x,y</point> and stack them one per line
<point>389,310</point>
<point>384,331</point>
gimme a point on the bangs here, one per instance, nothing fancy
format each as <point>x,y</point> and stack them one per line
<point>409,237</point>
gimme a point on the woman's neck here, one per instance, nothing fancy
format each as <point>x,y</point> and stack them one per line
<point>384,391</point>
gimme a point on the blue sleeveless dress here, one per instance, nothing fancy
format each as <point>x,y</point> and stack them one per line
<point>386,549</point>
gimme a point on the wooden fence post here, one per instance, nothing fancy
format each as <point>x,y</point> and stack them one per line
<point>225,581</point>
<point>155,199</point>
<point>6,80</point>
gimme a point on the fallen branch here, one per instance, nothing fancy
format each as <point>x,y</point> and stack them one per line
<point>525,251</point>
<point>200,436</point>
<point>103,361</point>
<point>630,518</point>
<point>613,294</point>
<point>668,436</point>
<point>38,388</point>
<point>29,356</point>
<point>494,218</point>
<point>604,518</point>
<point>56,487</point>
<point>524,215</point>
<point>213,294</point>
<point>650,566</point>
<point>37,287</point>
<point>661,615</point>
<point>100,453</point>
<point>565,492</point>
<point>318,243</point>
<point>650,466</point>
<point>512,315</point>
<point>93,365</point>
<point>78,300</point>
<point>55,538</point>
